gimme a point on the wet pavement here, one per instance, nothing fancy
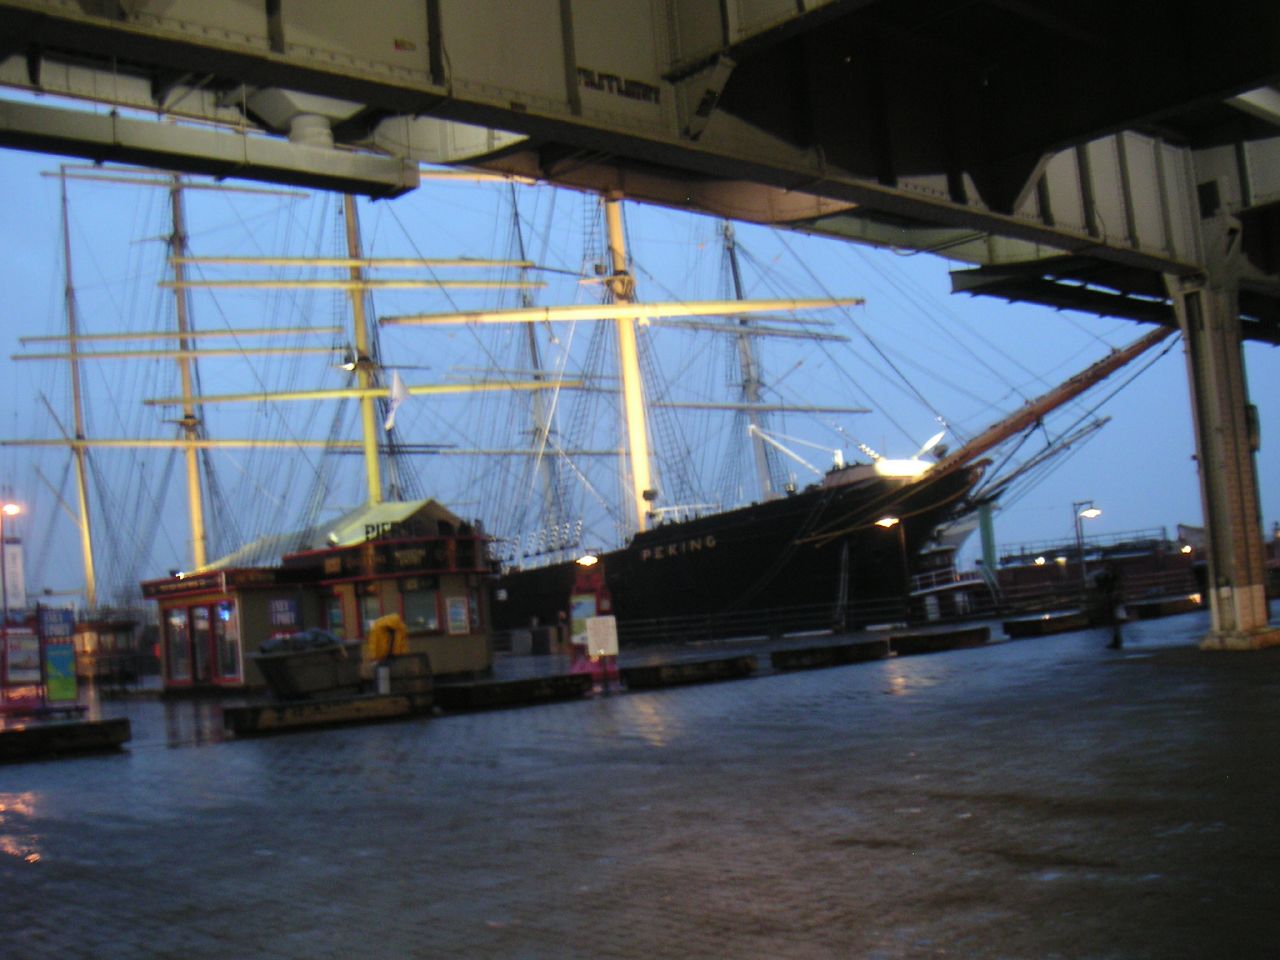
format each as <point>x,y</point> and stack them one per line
<point>1042,798</point>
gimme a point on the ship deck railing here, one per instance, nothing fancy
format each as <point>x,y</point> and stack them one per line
<point>1131,587</point>
<point>943,579</point>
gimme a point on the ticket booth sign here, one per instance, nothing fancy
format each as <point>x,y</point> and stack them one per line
<point>284,613</point>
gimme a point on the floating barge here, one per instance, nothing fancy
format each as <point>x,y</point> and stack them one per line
<point>43,740</point>
<point>1151,609</point>
<point>488,695</point>
<point>937,641</point>
<point>828,655</point>
<point>680,672</point>
<point>268,718</point>
<point>322,687</point>
<point>1046,624</point>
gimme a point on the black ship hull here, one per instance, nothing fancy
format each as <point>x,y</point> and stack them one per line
<point>819,550</point>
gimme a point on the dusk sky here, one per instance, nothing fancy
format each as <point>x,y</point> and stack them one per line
<point>971,358</point>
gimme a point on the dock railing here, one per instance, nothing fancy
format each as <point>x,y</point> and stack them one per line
<point>1093,546</point>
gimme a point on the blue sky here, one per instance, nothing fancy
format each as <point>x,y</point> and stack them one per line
<point>970,358</point>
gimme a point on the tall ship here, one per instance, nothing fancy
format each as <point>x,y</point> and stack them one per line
<point>566,432</point>
<point>809,555</point>
<point>838,552</point>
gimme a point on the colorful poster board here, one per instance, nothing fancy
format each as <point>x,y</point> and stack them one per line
<point>60,673</point>
<point>57,634</point>
<point>582,606</point>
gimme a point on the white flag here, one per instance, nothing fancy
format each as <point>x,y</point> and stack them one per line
<point>398,394</point>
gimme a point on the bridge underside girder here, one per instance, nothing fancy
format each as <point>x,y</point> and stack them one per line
<point>1106,290</point>
<point>993,132</point>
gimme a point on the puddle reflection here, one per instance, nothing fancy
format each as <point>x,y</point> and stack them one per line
<point>15,810</point>
<point>192,722</point>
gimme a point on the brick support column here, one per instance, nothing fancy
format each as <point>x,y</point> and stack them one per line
<point>1226,439</point>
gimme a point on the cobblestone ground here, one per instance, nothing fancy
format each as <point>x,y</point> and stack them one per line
<point>1039,799</point>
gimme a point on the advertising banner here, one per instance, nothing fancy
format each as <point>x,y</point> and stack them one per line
<point>15,580</point>
<point>57,627</point>
<point>582,606</point>
<point>60,673</point>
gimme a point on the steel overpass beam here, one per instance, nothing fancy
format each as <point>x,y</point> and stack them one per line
<point>668,91</point>
<point>110,137</point>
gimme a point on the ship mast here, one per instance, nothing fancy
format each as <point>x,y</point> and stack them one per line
<point>552,501</point>
<point>190,423</point>
<point>364,365</point>
<point>622,285</point>
<point>1034,410</point>
<point>79,452</point>
<point>749,363</point>
<point>191,439</point>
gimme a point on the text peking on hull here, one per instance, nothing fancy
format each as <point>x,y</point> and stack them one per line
<point>813,556</point>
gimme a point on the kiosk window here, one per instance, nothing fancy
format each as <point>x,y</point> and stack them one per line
<point>422,609</point>
<point>333,615</point>
<point>370,610</point>
<point>226,634</point>
<point>178,645</point>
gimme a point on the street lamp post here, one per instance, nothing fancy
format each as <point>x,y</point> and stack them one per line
<point>6,510</point>
<point>887,523</point>
<point>1083,510</point>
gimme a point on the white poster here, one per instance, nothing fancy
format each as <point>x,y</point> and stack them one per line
<point>602,636</point>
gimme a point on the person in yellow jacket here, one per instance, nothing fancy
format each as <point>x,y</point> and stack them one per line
<point>388,637</point>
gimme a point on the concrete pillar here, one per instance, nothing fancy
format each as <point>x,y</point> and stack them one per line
<point>1226,438</point>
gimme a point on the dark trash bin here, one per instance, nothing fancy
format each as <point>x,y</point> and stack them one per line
<point>310,663</point>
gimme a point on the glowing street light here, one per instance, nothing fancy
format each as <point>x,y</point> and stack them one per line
<point>6,510</point>
<point>1083,510</point>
